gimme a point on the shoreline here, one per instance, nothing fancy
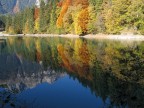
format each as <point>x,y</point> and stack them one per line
<point>89,36</point>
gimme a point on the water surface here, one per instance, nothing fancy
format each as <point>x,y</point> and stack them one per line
<point>71,73</point>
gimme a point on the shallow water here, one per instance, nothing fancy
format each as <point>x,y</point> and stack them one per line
<point>71,73</point>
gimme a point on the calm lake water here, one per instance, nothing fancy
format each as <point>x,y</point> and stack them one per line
<point>71,73</point>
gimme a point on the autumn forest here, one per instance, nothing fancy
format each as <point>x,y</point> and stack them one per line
<point>79,17</point>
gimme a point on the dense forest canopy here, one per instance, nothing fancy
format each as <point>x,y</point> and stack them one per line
<point>80,17</point>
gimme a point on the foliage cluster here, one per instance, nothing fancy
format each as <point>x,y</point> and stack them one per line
<point>80,17</point>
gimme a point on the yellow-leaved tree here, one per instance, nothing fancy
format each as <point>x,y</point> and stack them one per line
<point>83,20</point>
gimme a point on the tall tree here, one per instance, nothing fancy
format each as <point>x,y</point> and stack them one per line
<point>29,25</point>
<point>64,9</point>
<point>42,17</point>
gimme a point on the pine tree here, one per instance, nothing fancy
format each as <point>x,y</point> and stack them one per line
<point>136,16</point>
<point>42,17</point>
<point>8,23</point>
<point>29,24</point>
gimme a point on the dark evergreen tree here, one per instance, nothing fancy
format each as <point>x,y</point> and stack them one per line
<point>42,20</point>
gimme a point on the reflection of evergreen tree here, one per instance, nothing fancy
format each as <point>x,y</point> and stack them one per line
<point>114,72</point>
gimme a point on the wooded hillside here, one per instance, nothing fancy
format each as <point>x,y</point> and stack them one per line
<point>80,17</point>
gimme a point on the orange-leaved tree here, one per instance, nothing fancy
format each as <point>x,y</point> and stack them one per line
<point>36,13</point>
<point>83,15</point>
<point>83,3</point>
<point>83,20</point>
<point>65,5</point>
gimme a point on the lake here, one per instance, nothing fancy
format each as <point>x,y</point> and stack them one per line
<point>54,72</point>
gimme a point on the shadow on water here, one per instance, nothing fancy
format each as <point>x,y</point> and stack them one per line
<point>110,71</point>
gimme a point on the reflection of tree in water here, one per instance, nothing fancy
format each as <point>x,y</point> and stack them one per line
<point>75,58</point>
<point>111,69</point>
<point>120,93</point>
<point>120,81</point>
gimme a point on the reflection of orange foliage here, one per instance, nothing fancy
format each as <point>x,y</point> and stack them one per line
<point>64,9</point>
<point>81,69</point>
<point>66,62</point>
<point>84,58</point>
<point>83,3</point>
<point>36,13</point>
<point>84,53</point>
<point>83,20</point>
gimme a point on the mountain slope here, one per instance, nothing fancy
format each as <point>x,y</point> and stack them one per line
<point>13,6</point>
